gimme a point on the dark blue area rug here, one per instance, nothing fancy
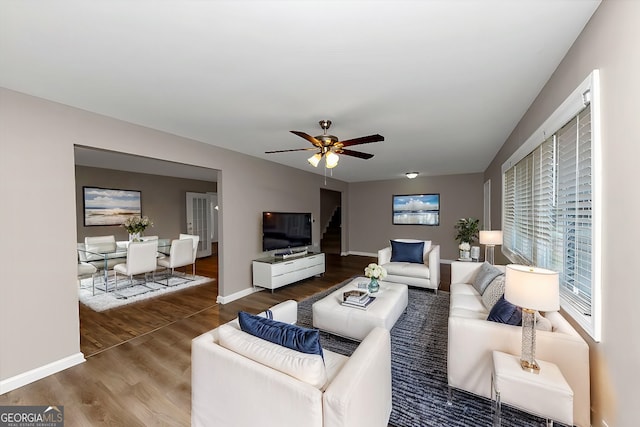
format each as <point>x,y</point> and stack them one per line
<point>419,367</point>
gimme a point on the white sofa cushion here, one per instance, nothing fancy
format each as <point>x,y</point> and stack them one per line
<point>309,368</point>
<point>407,269</point>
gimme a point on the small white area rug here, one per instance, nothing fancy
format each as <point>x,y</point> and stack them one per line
<point>127,294</point>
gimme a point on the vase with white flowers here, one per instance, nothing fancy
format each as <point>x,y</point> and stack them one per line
<point>374,272</point>
<point>465,249</point>
<point>135,225</point>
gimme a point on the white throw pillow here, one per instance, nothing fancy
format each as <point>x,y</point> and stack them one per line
<point>542,323</point>
<point>308,368</point>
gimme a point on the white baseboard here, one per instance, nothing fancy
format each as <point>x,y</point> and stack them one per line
<point>39,373</point>
<point>240,294</point>
<point>374,255</point>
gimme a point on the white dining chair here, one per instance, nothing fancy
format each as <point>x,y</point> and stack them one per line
<point>86,270</point>
<point>141,259</point>
<point>196,240</point>
<point>180,255</point>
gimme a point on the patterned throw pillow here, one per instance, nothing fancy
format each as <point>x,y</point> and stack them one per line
<point>493,292</point>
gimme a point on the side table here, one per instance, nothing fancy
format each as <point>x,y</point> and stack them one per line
<point>546,394</point>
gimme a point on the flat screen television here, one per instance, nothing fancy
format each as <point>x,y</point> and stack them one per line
<point>285,230</point>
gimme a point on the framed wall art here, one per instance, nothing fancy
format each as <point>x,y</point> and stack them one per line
<point>416,209</point>
<point>106,206</point>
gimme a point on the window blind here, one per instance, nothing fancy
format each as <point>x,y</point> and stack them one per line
<point>547,210</point>
<point>551,209</point>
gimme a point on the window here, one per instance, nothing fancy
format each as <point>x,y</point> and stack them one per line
<point>550,210</point>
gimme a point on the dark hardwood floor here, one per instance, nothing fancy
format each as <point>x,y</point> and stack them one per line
<point>138,368</point>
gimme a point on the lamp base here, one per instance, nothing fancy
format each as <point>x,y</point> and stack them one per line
<point>528,358</point>
<point>534,368</point>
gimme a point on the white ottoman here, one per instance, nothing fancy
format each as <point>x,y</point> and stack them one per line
<point>331,316</point>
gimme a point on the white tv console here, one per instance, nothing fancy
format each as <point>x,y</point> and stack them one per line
<point>272,273</point>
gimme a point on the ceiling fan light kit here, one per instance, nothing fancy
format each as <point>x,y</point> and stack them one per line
<point>331,159</point>
<point>330,146</point>
<point>315,159</point>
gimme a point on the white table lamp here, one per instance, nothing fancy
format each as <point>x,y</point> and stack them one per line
<point>531,288</point>
<point>490,238</point>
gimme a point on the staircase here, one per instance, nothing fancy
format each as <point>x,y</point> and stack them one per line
<point>331,239</point>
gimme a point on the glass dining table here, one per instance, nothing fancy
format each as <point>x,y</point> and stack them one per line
<point>105,258</point>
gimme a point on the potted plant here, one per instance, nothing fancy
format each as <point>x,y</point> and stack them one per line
<point>468,229</point>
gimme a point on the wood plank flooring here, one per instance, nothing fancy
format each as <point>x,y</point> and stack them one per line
<point>138,368</point>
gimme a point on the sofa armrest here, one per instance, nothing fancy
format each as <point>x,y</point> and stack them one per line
<point>286,311</point>
<point>360,395</point>
<point>464,272</point>
<point>432,259</point>
<point>469,360</point>
<point>384,255</point>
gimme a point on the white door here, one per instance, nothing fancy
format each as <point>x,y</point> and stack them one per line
<point>213,201</point>
<point>199,221</point>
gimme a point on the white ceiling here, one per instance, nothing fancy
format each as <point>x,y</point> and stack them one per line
<point>444,81</point>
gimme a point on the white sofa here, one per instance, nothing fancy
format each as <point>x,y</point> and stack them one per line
<point>423,275</point>
<point>229,389</point>
<point>472,339</point>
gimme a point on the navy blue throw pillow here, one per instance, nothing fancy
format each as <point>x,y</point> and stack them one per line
<point>407,251</point>
<point>505,312</point>
<point>294,337</point>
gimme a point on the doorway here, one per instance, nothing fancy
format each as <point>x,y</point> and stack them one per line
<point>330,221</point>
<point>166,205</point>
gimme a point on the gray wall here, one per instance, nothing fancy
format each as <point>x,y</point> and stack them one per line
<point>609,43</point>
<point>370,211</point>
<point>39,306</point>
<point>163,200</point>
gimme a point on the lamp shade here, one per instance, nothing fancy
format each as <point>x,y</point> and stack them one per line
<point>331,159</point>
<point>490,237</point>
<point>315,159</point>
<point>532,287</point>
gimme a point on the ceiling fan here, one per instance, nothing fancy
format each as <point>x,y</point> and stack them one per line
<point>329,146</point>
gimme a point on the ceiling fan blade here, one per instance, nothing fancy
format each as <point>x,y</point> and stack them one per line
<point>358,154</point>
<point>362,140</point>
<point>294,149</point>
<point>307,137</point>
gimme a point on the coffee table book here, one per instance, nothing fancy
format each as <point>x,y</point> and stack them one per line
<point>359,305</point>
<point>355,296</point>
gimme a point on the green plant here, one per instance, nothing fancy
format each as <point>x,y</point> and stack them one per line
<point>468,229</point>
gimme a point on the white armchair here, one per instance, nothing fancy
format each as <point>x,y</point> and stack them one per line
<point>356,394</point>
<point>425,274</point>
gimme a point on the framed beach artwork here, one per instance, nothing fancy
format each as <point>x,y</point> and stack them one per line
<point>106,206</point>
<point>416,209</point>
